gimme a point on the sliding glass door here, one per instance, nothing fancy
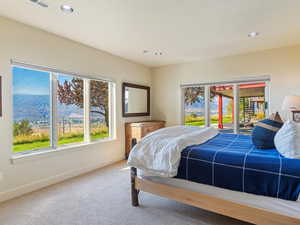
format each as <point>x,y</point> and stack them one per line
<point>231,107</point>
<point>253,105</point>
<point>221,107</point>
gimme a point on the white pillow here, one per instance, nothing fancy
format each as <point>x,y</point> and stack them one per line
<point>287,140</point>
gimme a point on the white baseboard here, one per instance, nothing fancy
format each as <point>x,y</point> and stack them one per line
<point>27,188</point>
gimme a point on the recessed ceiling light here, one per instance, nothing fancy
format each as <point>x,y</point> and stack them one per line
<point>152,52</point>
<point>40,3</point>
<point>253,34</point>
<point>66,8</point>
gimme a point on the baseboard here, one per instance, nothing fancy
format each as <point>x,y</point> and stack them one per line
<point>27,188</point>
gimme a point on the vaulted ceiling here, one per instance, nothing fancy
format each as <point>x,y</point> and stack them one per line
<point>183,30</point>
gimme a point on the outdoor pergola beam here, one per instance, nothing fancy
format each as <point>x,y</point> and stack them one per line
<point>218,93</point>
<point>242,86</point>
<point>220,109</point>
<point>255,85</point>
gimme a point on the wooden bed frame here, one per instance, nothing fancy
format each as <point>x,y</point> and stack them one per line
<point>214,204</point>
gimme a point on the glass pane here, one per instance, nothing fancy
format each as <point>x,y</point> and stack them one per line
<point>70,110</point>
<point>221,107</point>
<point>99,109</point>
<point>194,106</point>
<point>252,105</point>
<point>31,109</point>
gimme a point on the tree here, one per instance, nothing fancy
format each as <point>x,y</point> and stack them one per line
<point>22,128</point>
<point>71,93</point>
<point>191,95</point>
<point>194,94</point>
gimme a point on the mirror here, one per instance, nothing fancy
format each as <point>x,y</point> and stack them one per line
<point>135,100</point>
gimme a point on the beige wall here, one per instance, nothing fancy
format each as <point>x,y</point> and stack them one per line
<point>31,45</point>
<point>282,65</point>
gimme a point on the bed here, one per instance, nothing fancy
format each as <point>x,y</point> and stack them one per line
<point>225,175</point>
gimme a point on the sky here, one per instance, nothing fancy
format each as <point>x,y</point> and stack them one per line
<point>31,82</point>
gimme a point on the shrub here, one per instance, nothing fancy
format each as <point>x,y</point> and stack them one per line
<point>31,138</point>
<point>22,128</point>
<point>22,139</point>
<point>193,118</point>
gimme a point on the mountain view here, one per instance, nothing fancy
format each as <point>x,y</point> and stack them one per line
<point>37,108</point>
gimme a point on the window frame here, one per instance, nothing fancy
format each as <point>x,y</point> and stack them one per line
<point>53,75</point>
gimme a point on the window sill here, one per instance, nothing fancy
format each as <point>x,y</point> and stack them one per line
<point>20,157</point>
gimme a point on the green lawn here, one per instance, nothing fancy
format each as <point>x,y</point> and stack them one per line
<point>99,135</point>
<point>62,141</point>
<point>226,119</point>
<point>70,140</point>
<point>31,146</point>
<point>195,123</point>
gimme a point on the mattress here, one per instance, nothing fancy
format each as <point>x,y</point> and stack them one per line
<point>289,208</point>
<point>231,161</point>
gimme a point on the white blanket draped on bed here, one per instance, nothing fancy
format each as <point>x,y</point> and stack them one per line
<point>159,152</point>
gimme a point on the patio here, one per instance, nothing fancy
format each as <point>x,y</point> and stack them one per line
<point>252,106</point>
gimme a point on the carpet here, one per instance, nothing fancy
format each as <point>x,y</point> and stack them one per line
<point>102,197</point>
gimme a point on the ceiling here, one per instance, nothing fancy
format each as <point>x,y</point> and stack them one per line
<point>183,30</point>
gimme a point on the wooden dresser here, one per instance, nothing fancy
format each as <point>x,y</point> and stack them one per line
<point>138,130</point>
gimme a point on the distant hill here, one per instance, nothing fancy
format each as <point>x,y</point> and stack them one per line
<point>31,107</point>
<point>37,108</point>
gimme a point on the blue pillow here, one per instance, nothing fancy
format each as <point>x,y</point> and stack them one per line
<point>264,132</point>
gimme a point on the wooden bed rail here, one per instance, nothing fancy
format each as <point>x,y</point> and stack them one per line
<point>133,175</point>
<point>218,205</point>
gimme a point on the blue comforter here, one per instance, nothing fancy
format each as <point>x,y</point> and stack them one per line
<point>231,161</point>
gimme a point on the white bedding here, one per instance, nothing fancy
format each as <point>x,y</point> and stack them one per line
<point>290,208</point>
<point>159,152</point>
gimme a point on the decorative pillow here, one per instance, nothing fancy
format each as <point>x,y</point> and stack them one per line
<point>264,132</point>
<point>287,140</point>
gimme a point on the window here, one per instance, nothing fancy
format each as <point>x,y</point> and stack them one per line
<point>52,109</point>
<point>99,110</point>
<point>70,123</point>
<point>31,109</point>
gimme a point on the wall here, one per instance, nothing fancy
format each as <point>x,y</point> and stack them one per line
<point>281,64</point>
<point>21,42</point>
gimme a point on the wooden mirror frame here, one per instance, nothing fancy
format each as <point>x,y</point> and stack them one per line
<point>124,85</point>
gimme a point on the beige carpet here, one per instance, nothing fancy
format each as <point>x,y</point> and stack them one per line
<point>102,198</point>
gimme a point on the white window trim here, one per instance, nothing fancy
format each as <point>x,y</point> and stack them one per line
<point>235,84</point>
<point>54,148</point>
